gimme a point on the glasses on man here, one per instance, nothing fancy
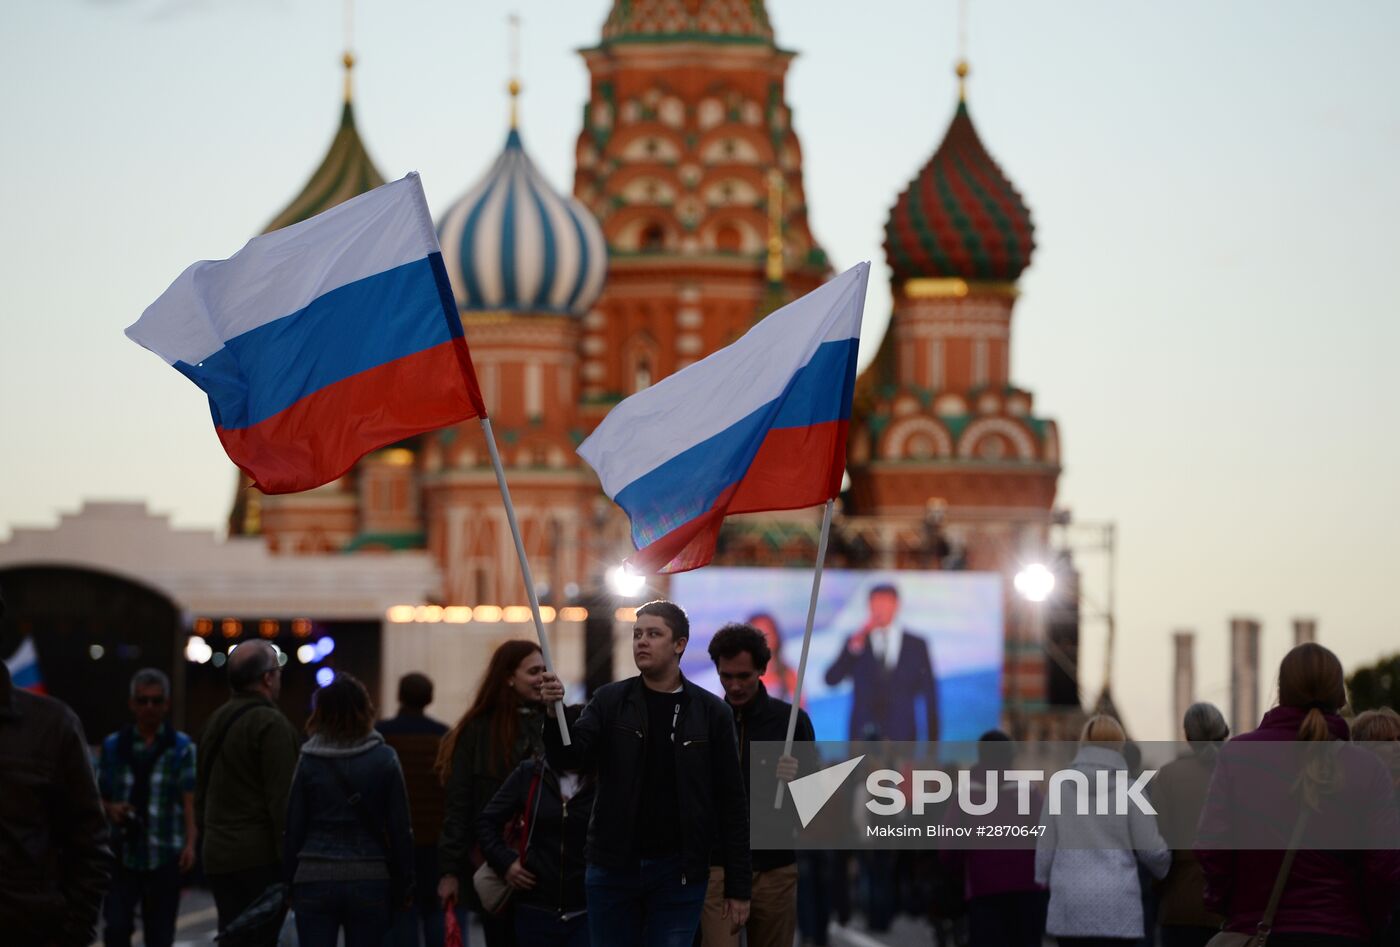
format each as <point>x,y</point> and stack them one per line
<point>149,701</point>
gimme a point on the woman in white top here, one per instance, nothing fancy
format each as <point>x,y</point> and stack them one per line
<point>1089,862</point>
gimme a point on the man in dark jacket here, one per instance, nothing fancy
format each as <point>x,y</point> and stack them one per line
<point>414,736</point>
<point>54,860</point>
<point>669,784</point>
<point>741,655</point>
<point>246,758</point>
<point>892,671</point>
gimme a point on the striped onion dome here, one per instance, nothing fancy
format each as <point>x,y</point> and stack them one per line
<point>513,243</point>
<point>960,217</point>
<point>346,172</point>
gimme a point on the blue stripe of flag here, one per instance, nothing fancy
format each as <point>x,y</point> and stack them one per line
<point>688,484</point>
<point>351,329</point>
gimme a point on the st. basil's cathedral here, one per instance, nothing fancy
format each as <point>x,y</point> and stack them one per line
<point>687,223</point>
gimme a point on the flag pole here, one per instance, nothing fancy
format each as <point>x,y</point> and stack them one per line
<point>525,569</point>
<point>806,640</point>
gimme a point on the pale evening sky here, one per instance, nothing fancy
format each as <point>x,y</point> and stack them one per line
<point>1211,312</point>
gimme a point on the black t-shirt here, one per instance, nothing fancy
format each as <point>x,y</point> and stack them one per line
<point>660,834</point>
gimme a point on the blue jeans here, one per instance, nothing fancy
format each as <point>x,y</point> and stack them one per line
<point>323,908</point>
<point>541,927</point>
<point>644,906</point>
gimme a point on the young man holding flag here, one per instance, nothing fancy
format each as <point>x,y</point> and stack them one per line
<point>669,785</point>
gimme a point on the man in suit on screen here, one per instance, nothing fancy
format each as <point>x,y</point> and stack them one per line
<point>892,672</point>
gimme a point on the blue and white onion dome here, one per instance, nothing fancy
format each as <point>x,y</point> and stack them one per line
<point>515,244</point>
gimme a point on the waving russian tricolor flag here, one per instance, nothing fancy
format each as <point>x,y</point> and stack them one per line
<point>23,666</point>
<point>323,341</point>
<point>758,425</point>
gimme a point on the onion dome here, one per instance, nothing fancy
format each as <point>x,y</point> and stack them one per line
<point>640,21</point>
<point>513,243</point>
<point>961,217</point>
<point>346,171</point>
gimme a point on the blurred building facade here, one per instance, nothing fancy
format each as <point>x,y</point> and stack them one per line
<point>686,224</point>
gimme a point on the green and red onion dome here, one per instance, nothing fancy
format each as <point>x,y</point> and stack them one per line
<point>961,217</point>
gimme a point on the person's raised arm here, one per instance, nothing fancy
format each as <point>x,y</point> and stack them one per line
<point>581,755</point>
<point>845,661</point>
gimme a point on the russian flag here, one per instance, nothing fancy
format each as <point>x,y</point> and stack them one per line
<point>758,425</point>
<point>321,342</point>
<point>23,666</point>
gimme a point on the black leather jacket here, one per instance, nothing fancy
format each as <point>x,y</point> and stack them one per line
<point>558,832</point>
<point>54,860</point>
<point>610,739</point>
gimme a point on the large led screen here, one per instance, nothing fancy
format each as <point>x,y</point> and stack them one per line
<point>896,655</point>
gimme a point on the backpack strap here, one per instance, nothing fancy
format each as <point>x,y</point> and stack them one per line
<point>215,745</point>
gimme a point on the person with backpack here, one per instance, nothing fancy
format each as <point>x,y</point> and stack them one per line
<point>349,844</point>
<point>146,775</point>
<point>532,834</point>
<point>244,770</point>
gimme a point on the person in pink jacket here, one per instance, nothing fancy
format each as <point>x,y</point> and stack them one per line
<point>1332,897</point>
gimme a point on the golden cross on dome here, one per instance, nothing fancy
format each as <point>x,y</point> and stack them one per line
<point>514,85</point>
<point>349,58</point>
<point>962,68</point>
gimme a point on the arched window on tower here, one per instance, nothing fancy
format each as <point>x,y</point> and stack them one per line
<point>641,374</point>
<point>653,239</point>
<point>728,239</point>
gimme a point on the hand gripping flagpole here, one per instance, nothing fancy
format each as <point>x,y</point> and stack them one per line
<point>530,579</point>
<point>806,641</point>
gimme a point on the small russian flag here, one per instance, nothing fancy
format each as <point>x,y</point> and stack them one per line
<point>759,425</point>
<point>321,342</point>
<point>23,666</point>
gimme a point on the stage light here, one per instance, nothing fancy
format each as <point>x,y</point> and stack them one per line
<point>231,627</point>
<point>547,614</point>
<point>96,652</point>
<point>1035,582</point>
<point>324,677</point>
<point>428,613</point>
<point>628,615</point>
<point>457,614</point>
<point>203,626</point>
<point>516,614</point>
<point>301,627</point>
<point>324,647</point>
<point>623,581</point>
<point>197,650</point>
<point>487,613</point>
<point>306,653</point>
<point>573,613</point>
<point>400,614</point>
<point>269,628</point>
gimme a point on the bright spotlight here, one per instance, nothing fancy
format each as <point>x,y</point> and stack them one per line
<point>306,653</point>
<point>324,677</point>
<point>324,647</point>
<point>623,581</point>
<point>197,650</point>
<point>1035,582</point>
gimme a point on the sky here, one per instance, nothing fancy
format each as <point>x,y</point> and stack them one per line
<point>1210,315</point>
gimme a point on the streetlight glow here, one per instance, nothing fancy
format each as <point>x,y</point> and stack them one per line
<point>1035,582</point>
<point>625,582</point>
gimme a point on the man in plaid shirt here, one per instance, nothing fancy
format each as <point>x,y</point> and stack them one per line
<point>146,776</point>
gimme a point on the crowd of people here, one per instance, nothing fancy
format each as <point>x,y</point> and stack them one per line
<point>634,830</point>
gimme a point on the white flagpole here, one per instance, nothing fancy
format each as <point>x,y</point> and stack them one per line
<point>530,579</point>
<point>806,640</point>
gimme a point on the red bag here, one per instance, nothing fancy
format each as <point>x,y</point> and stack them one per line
<point>453,930</point>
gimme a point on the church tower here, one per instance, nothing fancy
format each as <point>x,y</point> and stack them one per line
<point>942,434</point>
<point>526,264</point>
<point>328,518</point>
<point>689,160</point>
